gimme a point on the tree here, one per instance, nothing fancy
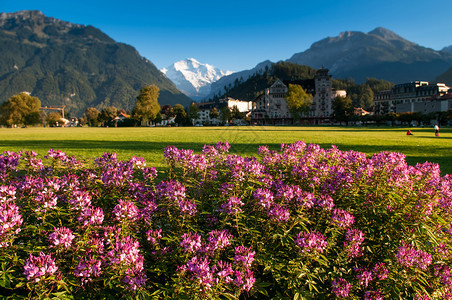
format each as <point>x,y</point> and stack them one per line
<point>236,114</point>
<point>92,116</point>
<point>214,113</point>
<point>158,118</point>
<point>108,114</point>
<point>342,109</point>
<point>298,100</point>
<point>54,118</point>
<point>366,97</point>
<point>193,112</point>
<point>181,115</point>
<point>225,114</point>
<point>147,105</point>
<point>21,109</point>
<point>168,111</point>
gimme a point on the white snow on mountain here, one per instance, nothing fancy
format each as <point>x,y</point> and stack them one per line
<point>193,78</point>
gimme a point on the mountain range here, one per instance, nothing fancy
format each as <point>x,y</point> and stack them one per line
<point>194,78</point>
<point>379,54</point>
<point>355,55</point>
<point>74,65</point>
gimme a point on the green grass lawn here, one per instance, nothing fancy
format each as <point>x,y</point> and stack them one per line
<point>150,142</point>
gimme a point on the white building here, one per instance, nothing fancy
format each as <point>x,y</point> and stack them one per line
<point>206,107</point>
<point>272,108</point>
<point>415,96</point>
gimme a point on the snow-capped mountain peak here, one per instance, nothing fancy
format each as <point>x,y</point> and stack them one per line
<point>193,78</point>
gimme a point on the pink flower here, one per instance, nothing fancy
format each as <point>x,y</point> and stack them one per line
<point>91,216</point>
<point>218,240</point>
<point>353,241</point>
<point>191,242</point>
<point>245,280</point>
<point>153,236</point>
<point>341,287</point>
<point>46,200</point>
<point>342,218</point>
<point>187,207</point>
<point>232,205</point>
<point>80,200</point>
<point>126,254</point>
<point>325,202</point>
<point>88,268</point>
<point>364,276</point>
<point>409,257</point>
<point>373,295</point>
<point>380,271</point>
<point>61,236</point>
<point>10,221</point>
<point>278,213</point>
<point>125,209</point>
<point>311,242</point>
<point>264,197</point>
<point>37,267</point>
<point>244,255</point>
<point>224,270</point>
<point>199,270</point>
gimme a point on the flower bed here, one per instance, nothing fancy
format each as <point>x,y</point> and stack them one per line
<point>303,222</point>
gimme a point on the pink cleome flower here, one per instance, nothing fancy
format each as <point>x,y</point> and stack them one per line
<point>341,287</point>
<point>38,267</point>
<point>61,236</point>
<point>311,242</point>
<point>342,218</point>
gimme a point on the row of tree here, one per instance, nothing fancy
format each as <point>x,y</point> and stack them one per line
<point>148,110</point>
<point>24,110</point>
<point>345,112</point>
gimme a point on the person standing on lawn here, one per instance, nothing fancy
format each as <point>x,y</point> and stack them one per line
<point>436,130</point>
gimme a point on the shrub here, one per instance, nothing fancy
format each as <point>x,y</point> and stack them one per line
<point>303,222</point>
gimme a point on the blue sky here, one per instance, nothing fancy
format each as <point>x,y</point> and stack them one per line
<point>237,35</point>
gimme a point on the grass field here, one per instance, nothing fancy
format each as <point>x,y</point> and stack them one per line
<point>150,142</point>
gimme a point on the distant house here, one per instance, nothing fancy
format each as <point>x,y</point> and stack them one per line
<point>360,112</point>
<point>415,96</point>
<point>206,107</point>
<point>63,122</point>
<point>272,108</point>
<point>121,117</point>
<point>167,121</point>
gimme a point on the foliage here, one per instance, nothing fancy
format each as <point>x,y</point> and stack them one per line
<point>298,100</point>
<point>362,94</point>
<point>304,222</point>
<point>248,90</point>
<point>54,118</point>
<point>147,105</point>
<point>167,110</point>
<point>214,113</point>
<point>92,116</point>
<point>21,109</point>
<point>193,111</point>
<point>108,114</point>
<point>236,114</point>
<point>225,114</point>
<point>180,113</point>
<point>342,109</point>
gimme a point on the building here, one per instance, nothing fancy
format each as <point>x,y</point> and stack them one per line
<point>416,96</point>
<point>272,108</point>
<point>206,107</point>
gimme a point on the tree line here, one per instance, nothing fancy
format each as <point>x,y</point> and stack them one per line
<point>25,110</point>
